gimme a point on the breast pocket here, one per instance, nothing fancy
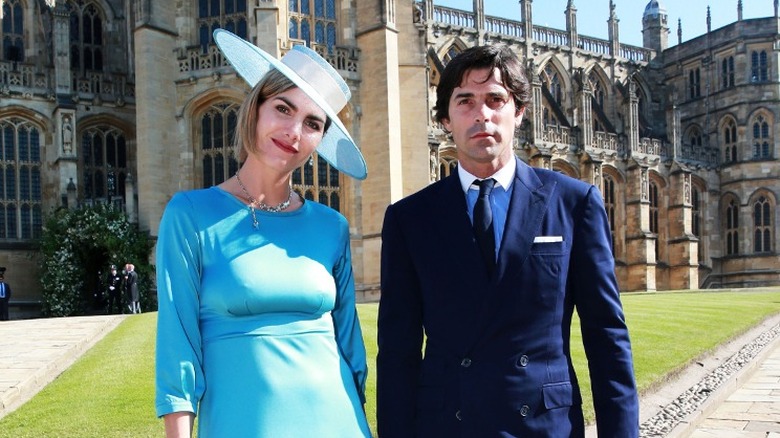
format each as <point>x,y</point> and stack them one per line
<point>547,271</point>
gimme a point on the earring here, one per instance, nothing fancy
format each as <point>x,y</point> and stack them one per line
<point>311,160</point>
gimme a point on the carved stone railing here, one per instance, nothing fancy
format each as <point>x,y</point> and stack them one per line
<point>636,54</point>
<point>108,87</point>
<point>700,154</point>
<point>343,59</point>
<point>25,78</point>
<point>551,36</point>
<point>193,59</point>
<point>593,45</point>
<point>558,134</point>
<point>454,17</point>
<point>606,141</point>
<point>504,27</point>
<point>649,146</point>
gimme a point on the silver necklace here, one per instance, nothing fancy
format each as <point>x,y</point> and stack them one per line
<point>254,203</point>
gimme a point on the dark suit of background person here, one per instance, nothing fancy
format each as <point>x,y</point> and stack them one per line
<point>131,287</point>
<point>5,296</point>
<point>497,360</point>
<point>114,291</point>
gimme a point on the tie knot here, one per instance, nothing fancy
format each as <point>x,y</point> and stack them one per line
<point>485,186</point>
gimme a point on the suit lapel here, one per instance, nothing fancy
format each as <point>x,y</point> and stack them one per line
<point>527,207</point>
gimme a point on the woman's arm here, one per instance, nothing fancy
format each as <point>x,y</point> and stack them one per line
<point>179,424</point>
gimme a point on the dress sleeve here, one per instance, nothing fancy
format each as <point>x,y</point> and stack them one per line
<point>179,367</point>
<point>349,336</point>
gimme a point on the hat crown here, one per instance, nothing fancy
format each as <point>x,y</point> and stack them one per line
<point>319,74</point>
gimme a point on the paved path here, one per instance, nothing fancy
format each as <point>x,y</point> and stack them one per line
<point>33,352</point>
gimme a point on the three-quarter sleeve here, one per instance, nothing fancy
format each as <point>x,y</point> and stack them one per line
<point>179,358</point>
<point>349,336</point>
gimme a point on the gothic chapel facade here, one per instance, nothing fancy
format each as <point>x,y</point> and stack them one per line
<point>128,101</point>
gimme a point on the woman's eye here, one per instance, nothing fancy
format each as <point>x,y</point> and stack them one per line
<point>314,125</point>
<point>283,109</point>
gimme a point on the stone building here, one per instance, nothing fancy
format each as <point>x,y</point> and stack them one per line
<point>129,101</point>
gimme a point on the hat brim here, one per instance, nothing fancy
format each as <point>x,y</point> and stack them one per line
<point>252,63</point>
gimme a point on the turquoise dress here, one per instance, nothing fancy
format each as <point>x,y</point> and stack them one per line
<point>257,328</point>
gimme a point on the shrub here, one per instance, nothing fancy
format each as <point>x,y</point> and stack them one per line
<point>77,247</point>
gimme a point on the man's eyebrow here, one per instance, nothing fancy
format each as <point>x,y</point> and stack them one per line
<point>295,108</point>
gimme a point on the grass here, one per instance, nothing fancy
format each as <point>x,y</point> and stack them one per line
<point>109,391</point>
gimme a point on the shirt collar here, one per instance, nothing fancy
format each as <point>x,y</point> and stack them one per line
<point>504,177</point>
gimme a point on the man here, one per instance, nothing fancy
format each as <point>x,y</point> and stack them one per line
<point>114,291</point>
<point>495,299</point>
<point>131,288</point>
<point>5,296</point>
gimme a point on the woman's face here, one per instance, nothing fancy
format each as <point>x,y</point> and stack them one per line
<point>289,127</point>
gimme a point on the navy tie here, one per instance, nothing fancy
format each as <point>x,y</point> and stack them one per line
<point>483,223</point>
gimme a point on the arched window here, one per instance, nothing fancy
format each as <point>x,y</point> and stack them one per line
<point>759,71</point>
<point>727,72</point>
<point>313,21</point>
<point>761,141</point>
<point>20,180</point>
<point>694,136</point>
<point>730,142</point>
<point>13,31</point>
<point>552,82</point>
<point>732,228</point>
<point>104,165</point>
<point>322,184</point>
<point>86,36</point>
<point>220,14</point>
<point>610,204</point>
<point>762,224</point>
<point>217,128</point>
<point>451,53</point>
<point>447,166</point>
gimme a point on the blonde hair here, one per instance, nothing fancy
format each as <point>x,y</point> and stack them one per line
<point>273,83</point>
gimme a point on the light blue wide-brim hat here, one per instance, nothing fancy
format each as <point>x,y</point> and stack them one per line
<point>315,77</point>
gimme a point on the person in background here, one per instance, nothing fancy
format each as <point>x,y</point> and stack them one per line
<point>5,296</point>
<point>257,326</point>
<point>131,289</point>
<point>488,265</point>
<point>114,291</point>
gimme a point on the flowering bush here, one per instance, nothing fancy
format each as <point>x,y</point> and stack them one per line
<point>77,247</point>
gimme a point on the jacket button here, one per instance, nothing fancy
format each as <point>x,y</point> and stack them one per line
<point>524,410</point>
<point>457,415</point>
<point>465,363</point>
<point>523,360</point>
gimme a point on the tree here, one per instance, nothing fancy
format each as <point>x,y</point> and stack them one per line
<point>78,246</point>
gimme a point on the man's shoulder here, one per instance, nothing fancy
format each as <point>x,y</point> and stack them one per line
<point>425,195</point>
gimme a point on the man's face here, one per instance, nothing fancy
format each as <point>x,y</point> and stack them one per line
<point>482,120</point>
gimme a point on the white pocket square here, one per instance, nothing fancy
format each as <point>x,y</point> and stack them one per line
<point>548,239</point>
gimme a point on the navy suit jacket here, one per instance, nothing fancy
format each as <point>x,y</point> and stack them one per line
<point>496,360</point>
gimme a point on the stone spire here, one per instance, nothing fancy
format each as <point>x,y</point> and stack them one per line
<point>709,20</point>
<point>679,31</point>
<point>739,10</point>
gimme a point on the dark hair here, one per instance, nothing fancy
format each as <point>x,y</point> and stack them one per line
<point>500,57</point>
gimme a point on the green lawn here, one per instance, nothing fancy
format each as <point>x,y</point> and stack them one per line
<point>109,391</point>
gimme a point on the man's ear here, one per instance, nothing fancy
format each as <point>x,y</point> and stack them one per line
<point>446,123</point>
<point>519,115</point>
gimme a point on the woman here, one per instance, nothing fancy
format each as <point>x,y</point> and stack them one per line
<point>257,329</point>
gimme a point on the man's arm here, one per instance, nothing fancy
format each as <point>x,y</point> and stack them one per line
<point>604,332</point>
<point>400,334</point>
